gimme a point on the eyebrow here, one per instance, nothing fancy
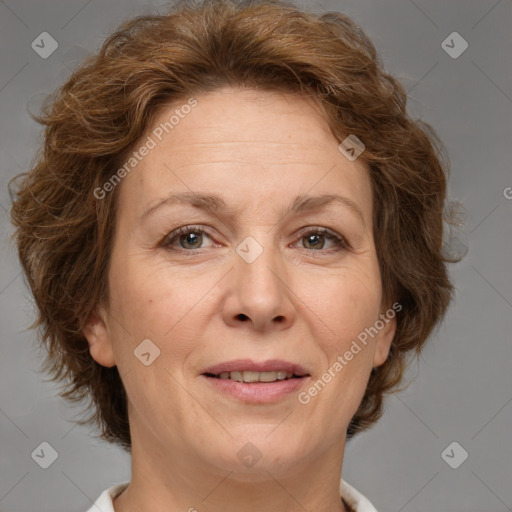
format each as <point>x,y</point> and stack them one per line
<point>214,203</point>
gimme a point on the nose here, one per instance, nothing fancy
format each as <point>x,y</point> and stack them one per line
<point>260,293</point>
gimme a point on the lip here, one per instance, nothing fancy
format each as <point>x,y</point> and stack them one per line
<point>257,392</point>
<point>271,365</point>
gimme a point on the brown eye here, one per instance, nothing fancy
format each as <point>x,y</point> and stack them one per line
<point>316,240</point>
<point>191,240</point>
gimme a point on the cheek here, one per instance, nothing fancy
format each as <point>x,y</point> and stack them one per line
<point>342,304</point>
<point>353,305</point>
<point>145,296</point>
<point>149,302</point>
<point>350,304</point>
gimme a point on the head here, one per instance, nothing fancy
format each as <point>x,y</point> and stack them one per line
<point>246,104</point>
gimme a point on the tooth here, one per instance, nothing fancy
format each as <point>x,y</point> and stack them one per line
<point>251,376</point>
<point>236,376</point>
<point>268,376</point>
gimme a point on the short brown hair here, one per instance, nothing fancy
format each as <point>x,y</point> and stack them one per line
<point>64,234</point>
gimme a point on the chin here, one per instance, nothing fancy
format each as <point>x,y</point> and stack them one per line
<point>251,458</point>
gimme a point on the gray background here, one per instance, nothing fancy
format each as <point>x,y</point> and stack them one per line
<point>461,388</point>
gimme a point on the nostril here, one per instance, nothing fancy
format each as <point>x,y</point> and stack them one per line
<point>242,317</point>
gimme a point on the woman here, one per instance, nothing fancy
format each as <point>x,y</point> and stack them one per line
<point>234,240</point>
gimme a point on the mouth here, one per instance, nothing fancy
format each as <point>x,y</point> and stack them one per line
<point>250,376</point>
<point>254,382</point>
<point>247,370</point>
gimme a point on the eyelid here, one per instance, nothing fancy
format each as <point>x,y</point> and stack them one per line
<point>175,233</point>
<point>328,233</point>
<point>340,240</point>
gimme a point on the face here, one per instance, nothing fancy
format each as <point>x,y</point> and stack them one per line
<point>243,276</point>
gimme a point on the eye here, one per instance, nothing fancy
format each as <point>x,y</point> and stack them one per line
<point>315,239</point>
<point>189,238</point>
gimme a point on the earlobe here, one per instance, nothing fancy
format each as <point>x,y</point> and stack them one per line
<point>384,340</point>
<point>98,336</point>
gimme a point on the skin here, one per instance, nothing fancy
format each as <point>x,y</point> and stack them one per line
<point>304,301</point>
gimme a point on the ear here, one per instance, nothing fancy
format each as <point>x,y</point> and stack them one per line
<point>97,333</point>
<point>384,340</point>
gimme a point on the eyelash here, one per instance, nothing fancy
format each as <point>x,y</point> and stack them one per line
<point>340,241</point>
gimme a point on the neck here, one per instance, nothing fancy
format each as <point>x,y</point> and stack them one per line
<point>178,478</point>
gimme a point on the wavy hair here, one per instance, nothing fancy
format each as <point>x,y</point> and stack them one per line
<point>64,233</point>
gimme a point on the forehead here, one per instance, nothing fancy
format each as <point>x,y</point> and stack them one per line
<point>246,120</point>
<point>247,145</point>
